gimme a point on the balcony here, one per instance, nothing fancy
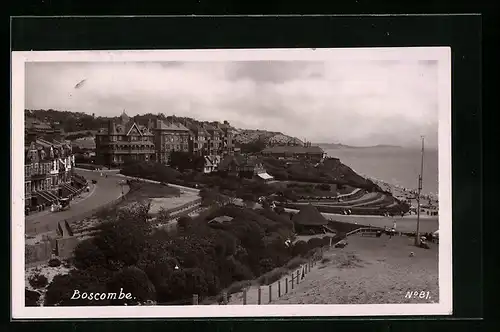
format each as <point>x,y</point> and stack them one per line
<point>133,151</point>
<point>38,175</point>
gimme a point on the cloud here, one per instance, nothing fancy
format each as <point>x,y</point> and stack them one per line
<point>273,71</point>
<point>353,102</point>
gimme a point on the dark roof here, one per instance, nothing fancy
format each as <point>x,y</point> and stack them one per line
<point>123,129</point>
<point>40,149</point>
<point>33,123</point>
<point>160,125</point>
<point>240,161</point>
<point>228,160</point>
<point>84,143</point>
<point>221,219</point>
<point>212,128</point>
<point>309,216</point>
<point>197,130</point>
<point>293,149</point>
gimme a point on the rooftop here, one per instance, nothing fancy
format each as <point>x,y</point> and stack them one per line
<point>309,216</point>
<point>161,125</point>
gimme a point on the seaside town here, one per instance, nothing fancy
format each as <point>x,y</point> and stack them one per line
<point>173,210</point>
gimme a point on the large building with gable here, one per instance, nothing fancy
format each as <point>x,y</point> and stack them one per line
<point>124,140</point>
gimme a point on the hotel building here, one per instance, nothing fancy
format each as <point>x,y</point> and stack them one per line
<point>124,140</point>
<point>168,137</point>
<point>48,173</point>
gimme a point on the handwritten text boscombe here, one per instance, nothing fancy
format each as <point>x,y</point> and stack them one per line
<point>101,296</point>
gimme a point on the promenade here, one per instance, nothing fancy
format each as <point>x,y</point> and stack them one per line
<point>106,190</point>
<point>407,223</point>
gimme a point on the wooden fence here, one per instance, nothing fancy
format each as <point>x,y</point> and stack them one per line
<point>266,294</point>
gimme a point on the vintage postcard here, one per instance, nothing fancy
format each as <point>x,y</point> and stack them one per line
<point>231,183</point>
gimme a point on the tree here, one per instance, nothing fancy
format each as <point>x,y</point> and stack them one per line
<point>180,160</point>
<point>253,147</point>
<point>184,223</point>
<point>134,281</point>
<point>119,243</point>
<point>61,291</point>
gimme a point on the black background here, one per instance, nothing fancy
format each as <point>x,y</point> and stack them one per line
<point>462,33</point>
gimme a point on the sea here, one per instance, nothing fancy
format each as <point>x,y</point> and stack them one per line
<point>393,165</point>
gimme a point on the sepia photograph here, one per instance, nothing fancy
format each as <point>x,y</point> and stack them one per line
<point>231,183</point>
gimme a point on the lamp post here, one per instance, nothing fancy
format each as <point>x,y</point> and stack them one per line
<point>417,234</point>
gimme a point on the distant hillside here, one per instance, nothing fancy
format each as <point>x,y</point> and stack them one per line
<point>247,136</point>
<point>342,146</point>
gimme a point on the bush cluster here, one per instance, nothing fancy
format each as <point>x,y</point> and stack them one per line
<point>166,267</point>
<point>38,281</point>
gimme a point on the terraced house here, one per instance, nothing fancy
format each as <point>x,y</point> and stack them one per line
<point>48,172</point>
<point>169,137</point>
<point>124,140</point>
<point>198,140</point>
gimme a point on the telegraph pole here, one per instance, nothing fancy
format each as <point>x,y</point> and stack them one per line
<point>417,234</point>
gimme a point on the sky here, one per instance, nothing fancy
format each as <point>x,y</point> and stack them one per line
<point>356,102</point>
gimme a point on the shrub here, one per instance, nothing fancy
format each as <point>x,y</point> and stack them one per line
<point>314,243</point>
<point>134,281</point>
<point>184,223</point>
<point>119,243</point>
<point>54,262</point>
<point>323,186</point>
<point>279,209</point>
<point>266,264</point>
<point>87,254</point>
<point>239,271</point>
<point>290,195</point>
<point>296,262</point>
<point>38,281</point>
<point>186,282</point>
<point>300,248</point>
<point>238,286</point>
<point>31,298</point>
<point>272,276</point>
<point>163,215</point>
<point>62,288</point>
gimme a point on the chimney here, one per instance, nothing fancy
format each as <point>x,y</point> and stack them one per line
<point>111,127</point>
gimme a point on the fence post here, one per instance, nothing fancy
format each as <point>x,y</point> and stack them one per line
<point>245,296</point>
<point>270,292</point>
<point>286,285</point>
<point>298,277</point>
<point>259,295</point>
<point>195,299</point>
<point>279,288</point>
<point>292,279</point>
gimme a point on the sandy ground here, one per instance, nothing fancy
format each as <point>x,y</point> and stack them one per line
<point>369,270</point>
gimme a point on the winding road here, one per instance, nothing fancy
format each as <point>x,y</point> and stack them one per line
<point>106,190</point>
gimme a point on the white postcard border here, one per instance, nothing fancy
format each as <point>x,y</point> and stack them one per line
<point>444,307</point>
